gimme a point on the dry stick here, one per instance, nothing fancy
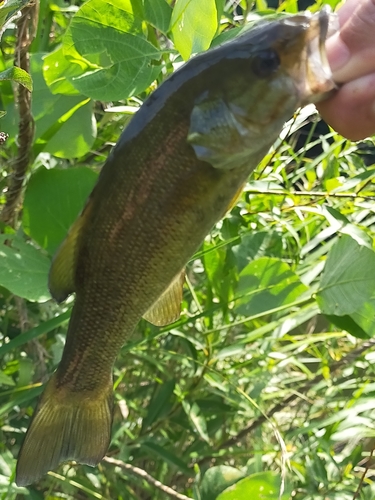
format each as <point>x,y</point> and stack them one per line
<point>144,475</point>
<point>304,389</point>
<point>25,32</point>
<point>318,194</point>
<point>361,481</point>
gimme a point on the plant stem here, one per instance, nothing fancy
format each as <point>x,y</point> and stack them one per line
<point>144,475</point>
<point>25,32</point>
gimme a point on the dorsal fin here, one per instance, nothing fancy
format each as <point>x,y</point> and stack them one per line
<point>167,308</point>
<point>61,280</point>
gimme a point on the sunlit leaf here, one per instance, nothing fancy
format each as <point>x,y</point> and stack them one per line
<point>17,75</point>
<point>261,486</point>
<point>193,25</point>
<point>53,200</point>
<point>348,280</point>
<point>109,36</point>
<point>23,269</point>
<point>266,284</point>
<point>217,479</point>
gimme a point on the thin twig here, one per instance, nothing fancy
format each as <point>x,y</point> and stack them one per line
<point>144,475</point>
<point>358,490</point>
<point>235,440</point>
<point>318,194</point>
<point>25,33</point>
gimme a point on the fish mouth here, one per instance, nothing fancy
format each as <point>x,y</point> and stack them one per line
<point>315,81</point>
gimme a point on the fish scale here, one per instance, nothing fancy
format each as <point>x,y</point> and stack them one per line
<point>175,171</point>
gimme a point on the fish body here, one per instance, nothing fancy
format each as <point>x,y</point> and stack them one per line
<point>172,175</point>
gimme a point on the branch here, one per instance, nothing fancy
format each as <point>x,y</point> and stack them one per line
<point>235,440</point>
<point>25,33</point>
<point>318,194</point>
<point>144,475</point>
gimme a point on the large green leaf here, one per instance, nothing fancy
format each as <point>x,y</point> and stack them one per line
<point>193,25</point>
<point>64,125</point>
<point>158,13</point>
<point>266,284</point>
<point>57,71</point>
<point>108,36</point>
<point>53,200</point>
<point>364,317</point>
<point>23,269</point>
<point>260,486</point>
<point>217,479</point>
<point>348,280</point>
<point>348,324</point>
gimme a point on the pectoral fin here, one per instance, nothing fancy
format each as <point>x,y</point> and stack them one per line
<point>167,308</point>
<point>61,280</point>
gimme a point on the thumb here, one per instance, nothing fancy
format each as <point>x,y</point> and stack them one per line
<point>351,51</point>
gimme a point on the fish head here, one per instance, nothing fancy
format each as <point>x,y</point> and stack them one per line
<point>255,83</point>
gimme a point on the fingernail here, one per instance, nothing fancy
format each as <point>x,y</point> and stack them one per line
<point>338,56</point>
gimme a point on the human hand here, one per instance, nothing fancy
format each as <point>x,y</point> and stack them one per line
<point>351,54</point>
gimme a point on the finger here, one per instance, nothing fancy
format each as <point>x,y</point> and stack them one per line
<point>351,111</point>
<point>351,52</point>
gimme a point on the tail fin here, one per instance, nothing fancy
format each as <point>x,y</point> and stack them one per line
<point>66,425</point>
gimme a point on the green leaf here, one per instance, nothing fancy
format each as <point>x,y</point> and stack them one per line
<point>159,403</point>
<point>9,9</point>
<point>109,37</point>
<point>258,244</point>
<point>57,71</point>
<point>197,419</point>
<point>64,125</point>
<point>266,284</point>
<point>23,269</point>
<point>348,280</point>
<point>193,25</point>
<point>74,136</point>
<point>167,456</point>
<point>17,75</point>
<point>217,479</point>
<point>21,396</point>
<point>260,486</point>
<point>53,200</point>
<point>348,324</point>
<point>48,140</point>
<point>158,13</point>
<point>364,317</point>
<point>42,329</point>
<point>5,379</point>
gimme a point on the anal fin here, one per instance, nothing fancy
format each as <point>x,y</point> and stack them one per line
<point>167,308</point>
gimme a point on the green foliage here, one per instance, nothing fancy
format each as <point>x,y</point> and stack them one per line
<point>110,40</point>
<point>265,386</point>
<point>193,25</point>
<point>217,479</point>
<point>261,486</point>
<point>23,269</point>
<point>53,200</point>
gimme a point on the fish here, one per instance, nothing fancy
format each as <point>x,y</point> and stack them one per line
<point>175,171</point>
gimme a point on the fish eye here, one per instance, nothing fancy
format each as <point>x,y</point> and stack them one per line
<point>265,63</point>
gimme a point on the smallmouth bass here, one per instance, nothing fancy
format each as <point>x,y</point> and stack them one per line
<point>174,172</point>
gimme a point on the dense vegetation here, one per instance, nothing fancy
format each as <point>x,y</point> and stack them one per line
<point>267,381</point>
